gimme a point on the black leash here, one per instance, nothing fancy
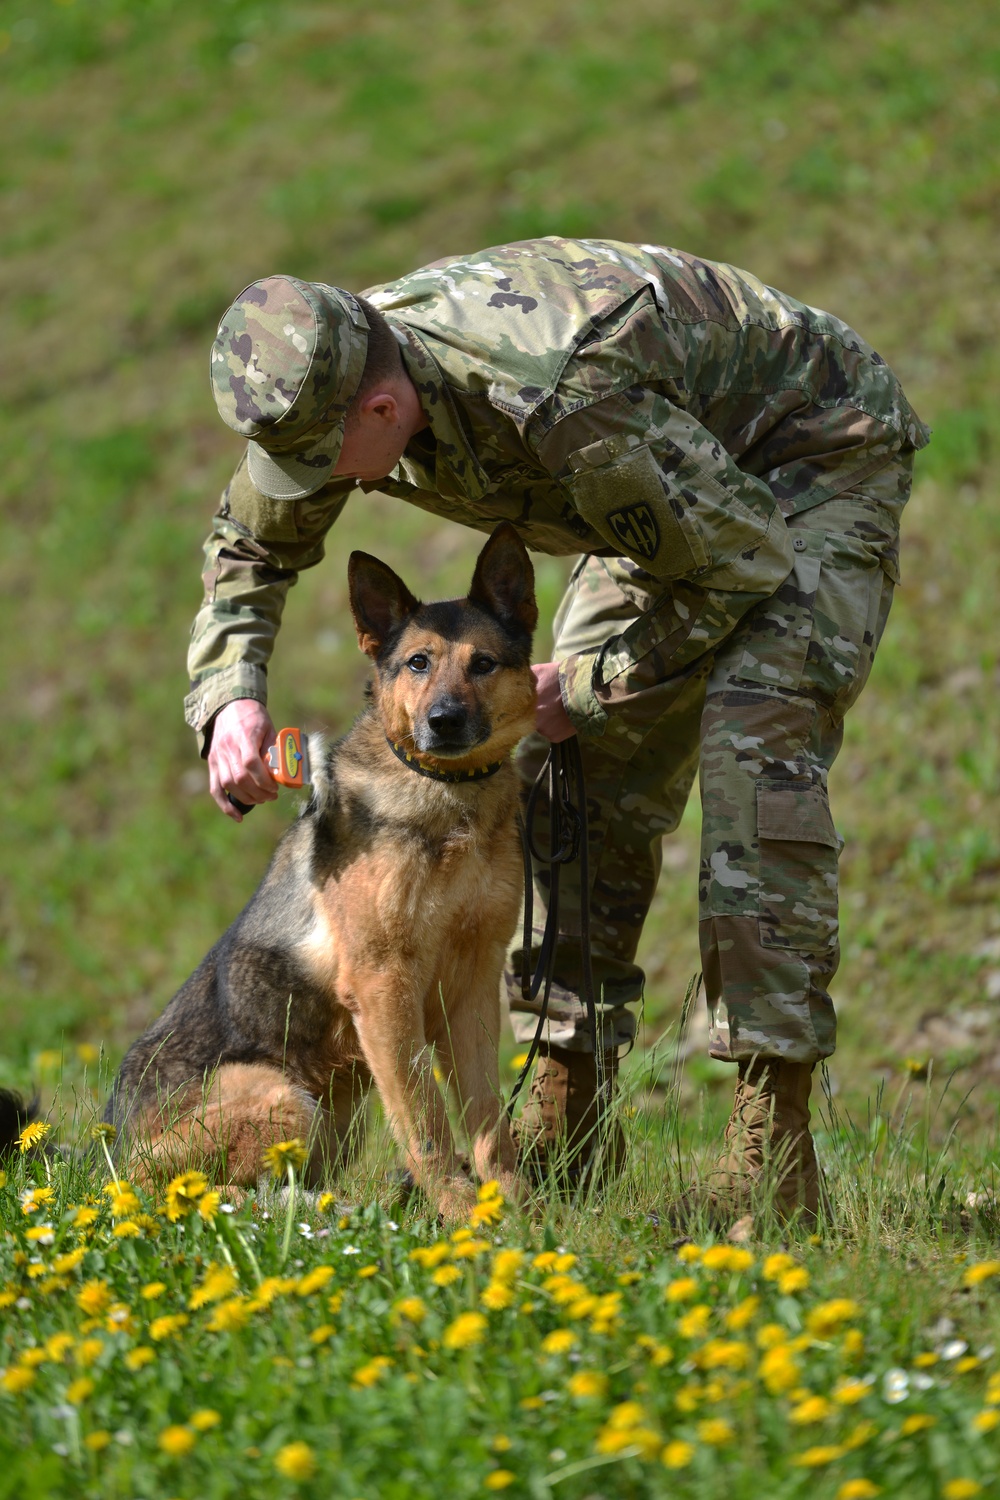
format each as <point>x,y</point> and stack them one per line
<point>568,840</point>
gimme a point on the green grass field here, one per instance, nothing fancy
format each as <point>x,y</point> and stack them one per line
<point>161,155</point>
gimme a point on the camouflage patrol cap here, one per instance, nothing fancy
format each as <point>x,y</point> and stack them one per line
<point>286,363</point>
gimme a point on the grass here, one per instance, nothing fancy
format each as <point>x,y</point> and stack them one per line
<point>159,157</point>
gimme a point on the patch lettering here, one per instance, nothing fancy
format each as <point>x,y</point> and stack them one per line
<point>637,529</point>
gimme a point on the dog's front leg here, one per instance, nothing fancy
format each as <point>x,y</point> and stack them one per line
<point>390,1027</point>
<point>470,1048</point>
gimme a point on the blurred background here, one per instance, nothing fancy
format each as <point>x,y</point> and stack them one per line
<point>159,156</point>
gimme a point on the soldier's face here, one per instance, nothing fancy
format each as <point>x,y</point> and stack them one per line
<point>378,431</point>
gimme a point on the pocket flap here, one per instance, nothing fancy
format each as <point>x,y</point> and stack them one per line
<point>795,814</point>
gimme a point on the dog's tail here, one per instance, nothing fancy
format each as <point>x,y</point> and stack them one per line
<point>14,1115</point>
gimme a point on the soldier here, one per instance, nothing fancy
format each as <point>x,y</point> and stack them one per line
<point>732,465</point>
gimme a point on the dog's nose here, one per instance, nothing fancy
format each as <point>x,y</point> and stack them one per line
<point>446,715</point>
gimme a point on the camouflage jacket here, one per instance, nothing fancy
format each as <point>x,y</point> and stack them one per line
<point>623,400</point>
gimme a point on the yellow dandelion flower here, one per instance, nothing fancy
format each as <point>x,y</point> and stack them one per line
<point>828,1317</point>
<point>184,1193</point>
<point>776,1265</point>
<point>445,1275</point>
<point>124,1202</point>
<point>811,1409</point>
<point>176,1441</point>
<point>677,1455</point>
<point>723,1354</point>
<point>545,1260</point>
<point>659,1354</point>
<point>295,1461</point>
<point>127,1229</point>
<point>688,1399</point>
<point>103,1130</point>
<point>740,1316</point>
<point>853,1343</point>
<point>270,1288</point>
<point>322,1334</point>
<point>93,1297</point>
<point>858,1489</point>
<point>489,1209</point>
<point>816,1458</point>
<point>779,1369</point>
<point>531,1403</point>
<point>69,1261</point>
<point>501,1443</point>
<point>141,1355</point>
<point>694,1322</point>
<point>795,1280</point>
<point>470,1249</point>
<point>993,1391</point>
<point>208,1206</point>
<point>217,1283</point>
<point>32,1357</point>
<point>506,1264</point>
<point>629,1278</point>
<point>42,1234</point>
<point>84,1217</point>
<point>325,1202</point>
<point>97,1441</point>
<point>410,1309</point>
<point>715,1431</point>
<point>986,1421</point>
<point>204,1419</point>
<point>34,1198</point>
<point>315,1280</point>
<point>167,1326</point>
<point>587,1385</point>
<point>32,1135</point>
<point>984,1271</point>
<point>560,1341</point>
<point>88,1351</point>
<point>87,1053</point>
<point>466,1330</point>
<point>78,1390</point>
<point>152,1290</point>
<point>372,1372</point>
<point>681,1290</point>
<point>364,1272</point>
<point>726,1258</point>
<point>966,1363</point>
<point>58,1346</point>
<point>919,1422</point>
<point>689,1255</point>
<point>850,1392</point>
<point>17,1379</point>
<point>430,1256</point>
<point>286,1155</point>
<point>498,1479</point>
<point>497,1295</point>
<point>925,1361</point>
<point>862,1433</point>
<point>228,1317</point>
<point>961,1489</point>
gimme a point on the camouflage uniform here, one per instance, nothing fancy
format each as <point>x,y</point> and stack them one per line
<point>732,463</point>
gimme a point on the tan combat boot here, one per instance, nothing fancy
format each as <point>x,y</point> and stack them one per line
<point>565,1127</point>
<point>768,1133</point>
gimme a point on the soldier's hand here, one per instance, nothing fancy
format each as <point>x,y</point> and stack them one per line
<point>551,718</point>
<point>241,734</point>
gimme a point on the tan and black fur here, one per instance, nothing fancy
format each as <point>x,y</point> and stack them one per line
<point>380,927</point>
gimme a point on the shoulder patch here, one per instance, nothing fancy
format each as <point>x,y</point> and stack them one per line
<point>637,529</point>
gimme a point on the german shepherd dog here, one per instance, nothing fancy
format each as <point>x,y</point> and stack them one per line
<point>380,928</point>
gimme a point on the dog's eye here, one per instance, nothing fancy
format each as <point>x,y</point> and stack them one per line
<point>418,663</point>
<point>482,665</point>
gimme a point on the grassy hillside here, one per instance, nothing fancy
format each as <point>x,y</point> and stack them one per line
<point>161,155</point>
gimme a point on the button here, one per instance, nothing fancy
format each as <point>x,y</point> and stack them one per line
<point>800,544</point>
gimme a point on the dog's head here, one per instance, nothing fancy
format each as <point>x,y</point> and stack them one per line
<point>453,680</point>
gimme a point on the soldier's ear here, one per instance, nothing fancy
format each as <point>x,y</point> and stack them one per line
<point>504,581</point>
<point>380,601</point>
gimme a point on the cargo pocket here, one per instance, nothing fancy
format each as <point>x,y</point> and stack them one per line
<point>855,591</point>
<point>780,629</point>
<point>799,848</point>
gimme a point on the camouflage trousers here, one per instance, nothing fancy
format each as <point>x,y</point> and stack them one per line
<point>749,694</point>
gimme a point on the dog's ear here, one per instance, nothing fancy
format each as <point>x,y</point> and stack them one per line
<point>504,580</point>
<point>380,602</point>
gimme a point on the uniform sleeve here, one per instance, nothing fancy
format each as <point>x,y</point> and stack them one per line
<point>254,554</point>
<point>662,490</point>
